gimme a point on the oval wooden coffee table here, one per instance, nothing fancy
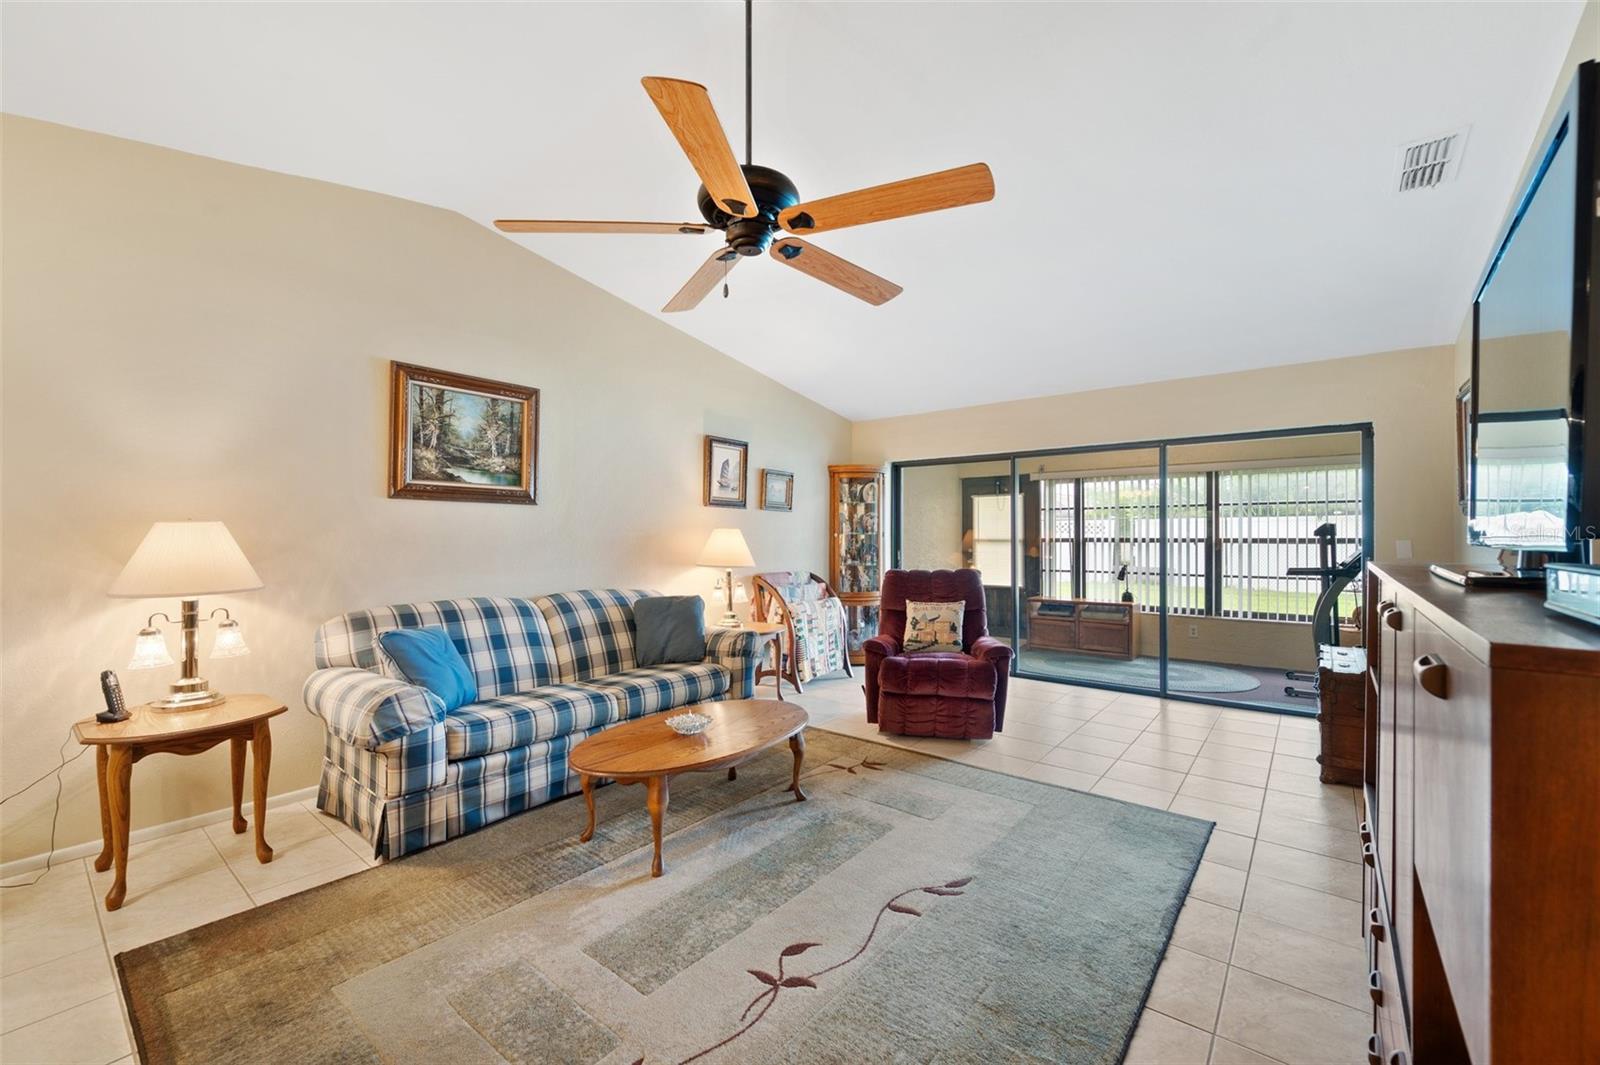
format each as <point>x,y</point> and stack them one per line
<point>648,752</point>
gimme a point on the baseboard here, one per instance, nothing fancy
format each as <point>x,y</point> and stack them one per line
<point>170,828</point>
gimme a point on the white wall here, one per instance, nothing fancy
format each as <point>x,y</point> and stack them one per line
<point>185,338</point>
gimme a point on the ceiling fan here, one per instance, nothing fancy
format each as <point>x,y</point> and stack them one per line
<point>756,207</point>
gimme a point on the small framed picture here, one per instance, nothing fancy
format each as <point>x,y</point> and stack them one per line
<point>462,438</point>
<point>726,472</point>
<point>777,490</point>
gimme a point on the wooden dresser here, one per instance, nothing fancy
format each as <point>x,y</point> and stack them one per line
<point>1482,840</point>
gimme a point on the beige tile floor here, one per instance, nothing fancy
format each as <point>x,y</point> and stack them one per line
<point>1265,965</point>
<point>59,1000</point>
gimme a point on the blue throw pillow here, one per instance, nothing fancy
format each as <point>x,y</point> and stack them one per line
<point>430,660</point>
<point>669,629</point>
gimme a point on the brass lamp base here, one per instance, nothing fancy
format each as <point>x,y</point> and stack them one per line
<point>189,693</point>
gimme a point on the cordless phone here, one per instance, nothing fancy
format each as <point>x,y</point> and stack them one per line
<point>116,709</point>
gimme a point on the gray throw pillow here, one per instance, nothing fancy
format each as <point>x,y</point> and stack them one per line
<point>669,629</point>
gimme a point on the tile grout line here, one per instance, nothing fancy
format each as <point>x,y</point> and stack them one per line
<point>1250,871</point>
<point>1295,987</point>
<point>83,868</point>
<point>1177,1020</point>
<point>1232,945</point>
<point>41,965</point>
<point>51,961</point>
<point>111,961</point>
<point>68,1009</point>
<point>105,945</point>
<point>229,866</point>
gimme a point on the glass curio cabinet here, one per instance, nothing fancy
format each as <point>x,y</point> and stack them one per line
<point>855,567</point>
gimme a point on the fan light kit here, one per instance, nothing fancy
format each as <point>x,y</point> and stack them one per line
<point>755,207</point>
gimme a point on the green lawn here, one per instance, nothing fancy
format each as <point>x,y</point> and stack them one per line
<point>1270,602</point>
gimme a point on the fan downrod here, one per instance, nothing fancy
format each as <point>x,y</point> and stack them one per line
<point>773,192</point>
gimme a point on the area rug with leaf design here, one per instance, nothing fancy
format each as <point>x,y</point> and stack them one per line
<point>913,910</point>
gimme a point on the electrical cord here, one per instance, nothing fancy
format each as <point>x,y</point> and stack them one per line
<point>55,815</point>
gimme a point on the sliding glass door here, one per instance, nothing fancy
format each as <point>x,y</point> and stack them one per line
<point>1251,526</point>
<point>959,516</point>
<point>1208,569</point>
<point>1089,545</point>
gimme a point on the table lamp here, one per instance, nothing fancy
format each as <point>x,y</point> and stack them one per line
<point>185,560</point>
<point>725,549</point>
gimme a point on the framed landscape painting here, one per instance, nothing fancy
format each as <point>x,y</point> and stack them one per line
<point>777,490</point>
<point>726,473</point>
<point>453,436</point>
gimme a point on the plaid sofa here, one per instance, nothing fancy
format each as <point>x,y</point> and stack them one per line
<point>551,671</point>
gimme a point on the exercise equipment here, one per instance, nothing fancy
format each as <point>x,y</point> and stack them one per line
<point>1335,577</point>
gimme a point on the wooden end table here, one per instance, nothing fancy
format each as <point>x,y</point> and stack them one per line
<point>241,719</point>
<point>771,634</point>
<point>648,752</point>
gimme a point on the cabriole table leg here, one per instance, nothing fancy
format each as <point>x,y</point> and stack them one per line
<point>588,800</point>
<point>119,779</point>
<point>797,744</point>
<point>656,800</point>
<point>237,760</point>
<point>103,862</point>
<point>261,755</point>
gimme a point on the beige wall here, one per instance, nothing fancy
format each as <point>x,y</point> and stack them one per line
<point>189,338</point>
<point>931,538</point>
<point>1398,392</point>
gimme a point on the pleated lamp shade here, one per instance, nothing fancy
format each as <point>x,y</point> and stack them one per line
<point>185,560</point>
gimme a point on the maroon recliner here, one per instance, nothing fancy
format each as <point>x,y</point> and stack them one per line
<point>956,696</point>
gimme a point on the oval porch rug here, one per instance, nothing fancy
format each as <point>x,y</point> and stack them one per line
<point>914,910</point>
<point>1143,672</point>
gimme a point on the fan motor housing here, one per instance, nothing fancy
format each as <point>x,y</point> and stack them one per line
<point>773,192</point>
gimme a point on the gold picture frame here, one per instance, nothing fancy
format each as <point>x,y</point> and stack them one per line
<point>777,490</point>
<point>456,437</point>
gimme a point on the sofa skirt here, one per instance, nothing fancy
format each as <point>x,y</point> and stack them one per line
<point>476,792</point>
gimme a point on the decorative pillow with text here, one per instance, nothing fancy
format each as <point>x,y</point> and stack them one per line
<point>933,627</point>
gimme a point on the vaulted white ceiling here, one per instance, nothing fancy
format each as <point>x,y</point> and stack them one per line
<point>1181,188</point>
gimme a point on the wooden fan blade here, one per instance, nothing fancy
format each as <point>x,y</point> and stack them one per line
<point>543,225</point>
<point>897,199</point>
<point>704,280</point>
<point>828,268</point>
<point>686,107</point>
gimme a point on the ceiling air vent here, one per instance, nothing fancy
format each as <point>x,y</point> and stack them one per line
<point>1424,164</point>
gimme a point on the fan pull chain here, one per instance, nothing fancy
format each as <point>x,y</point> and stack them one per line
<point>724,279</point>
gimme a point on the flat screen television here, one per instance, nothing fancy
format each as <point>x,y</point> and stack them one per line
<point>1535,459</point>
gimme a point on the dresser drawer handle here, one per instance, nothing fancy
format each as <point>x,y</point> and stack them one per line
<point>1397,1058</point>
<point>1375,923</point>
<point>1391,618</point>
<point>1432,675</point>
<point>1375,987</point>
<point>1374,1050</point>
<point>1366,833</point>
<point>1368,856</point>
